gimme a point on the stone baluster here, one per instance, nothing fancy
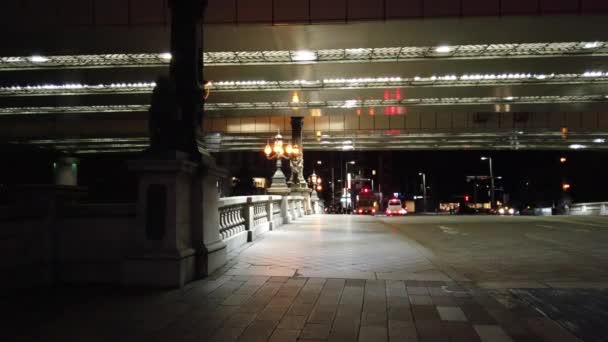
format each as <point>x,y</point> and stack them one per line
<point>285,209</point>
<point>270,213</point>
<point>249,215</point>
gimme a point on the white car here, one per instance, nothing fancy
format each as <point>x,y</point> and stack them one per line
<point>395,208</point>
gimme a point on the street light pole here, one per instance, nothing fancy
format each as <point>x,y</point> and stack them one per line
<point>492,198</point>
<point>423,191</point>
<point>333,187</point>
<point>352,162</point>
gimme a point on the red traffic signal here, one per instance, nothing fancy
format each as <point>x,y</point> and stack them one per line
<point>466,198</point>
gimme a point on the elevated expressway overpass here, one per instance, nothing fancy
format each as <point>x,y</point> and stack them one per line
<point>464,83</point>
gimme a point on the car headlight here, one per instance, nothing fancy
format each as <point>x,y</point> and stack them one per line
<point>501,211</point>
<point>511,211</point>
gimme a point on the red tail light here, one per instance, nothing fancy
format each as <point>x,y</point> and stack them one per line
<point>388,211</point>
<point>360,211</point>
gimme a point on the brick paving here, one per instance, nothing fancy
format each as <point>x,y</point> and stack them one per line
<point>273,291</point>
<point>265,308</point>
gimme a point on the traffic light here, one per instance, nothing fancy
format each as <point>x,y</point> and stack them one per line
<point>466,198</point>
<point>565,186</point>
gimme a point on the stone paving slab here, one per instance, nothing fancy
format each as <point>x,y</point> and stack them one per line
<point>312,282</point>
<point>337,310</point>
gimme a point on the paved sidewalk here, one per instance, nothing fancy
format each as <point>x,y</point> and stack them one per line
<point>264,308</point>
<point>325,278</point>
<point>340,246</point>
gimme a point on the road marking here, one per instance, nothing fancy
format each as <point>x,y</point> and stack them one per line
<point>448,230</point>
<point>581,223</point>
<point>545,226</point>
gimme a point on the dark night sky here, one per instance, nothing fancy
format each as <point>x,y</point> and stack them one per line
<point>108,178</point>
<point>446,171</point>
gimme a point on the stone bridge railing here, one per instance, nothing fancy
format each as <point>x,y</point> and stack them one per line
<point>243,219</point>
<point>589,209</point>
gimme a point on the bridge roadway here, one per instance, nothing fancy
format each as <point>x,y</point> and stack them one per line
<point>360,278</point>
<point>488,250</point>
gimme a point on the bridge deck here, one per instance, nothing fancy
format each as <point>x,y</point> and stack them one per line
<point>349,278</point>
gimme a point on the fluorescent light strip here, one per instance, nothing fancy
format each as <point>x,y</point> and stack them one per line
<point>427,81</point>
<point>81,141</point>
<point>341,104</point>
<point>97,151</point>
<point>78,89</point>
<point>477,51</point>
<point>73,109</point>
<point>347,104</point>
<point>336,83</point>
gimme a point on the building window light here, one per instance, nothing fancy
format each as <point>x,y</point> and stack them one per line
<point>443,49</point>
<point>577,146</point>
<point>591,45</point>
<point>166,56</point>
<point>38,59</point>
<point>304,56</point>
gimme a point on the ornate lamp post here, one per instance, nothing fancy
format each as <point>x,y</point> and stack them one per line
<point>280,151</point>
<point>316,184</point>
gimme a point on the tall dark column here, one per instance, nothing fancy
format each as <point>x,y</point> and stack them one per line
<point>187,68</point>
<point>297,163</point>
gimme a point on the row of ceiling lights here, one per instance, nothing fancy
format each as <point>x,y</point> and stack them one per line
<point>352,81</point>
<point>298,55</point>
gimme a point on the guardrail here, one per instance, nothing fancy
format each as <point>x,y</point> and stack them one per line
<point>244,218</point>
<point>589,209</point>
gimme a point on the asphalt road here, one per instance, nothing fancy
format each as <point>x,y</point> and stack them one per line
<point>558,266</point>
<point>559,250</point>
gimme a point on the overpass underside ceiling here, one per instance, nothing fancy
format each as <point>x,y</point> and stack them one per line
<point>510,83</point>
<point>372,140</point>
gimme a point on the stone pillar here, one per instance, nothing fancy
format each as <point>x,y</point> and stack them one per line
<point>187,68</point>
<point>162,254</point>
<point>298,184</point>
<point>65,170</point>
<point>297,163</point>
<point>211,251</point>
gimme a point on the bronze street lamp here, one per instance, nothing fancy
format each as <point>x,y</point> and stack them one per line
<point>280,151</point>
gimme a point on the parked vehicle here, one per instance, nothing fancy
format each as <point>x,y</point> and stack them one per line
<point>395,208</point>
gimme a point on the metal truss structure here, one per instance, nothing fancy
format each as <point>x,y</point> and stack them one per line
<point>338,104</point>
<point>467,80</point>
<point>358,55</point>
<point>537,139</point>
<point>75,89</point>
<point>73,109</point>
<point>406,102</point>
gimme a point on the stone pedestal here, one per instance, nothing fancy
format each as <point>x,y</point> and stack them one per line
<point>314,199</point>
<point>176,238</point>
<point>162,254</point>
<point>278,185</point>
<point>305,192</point>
